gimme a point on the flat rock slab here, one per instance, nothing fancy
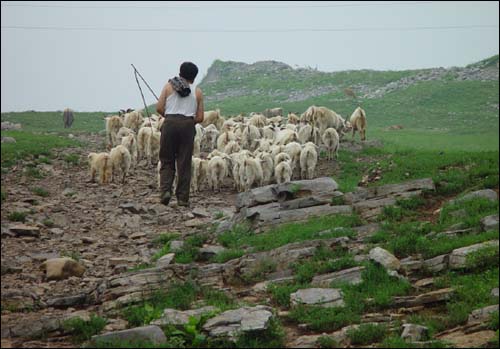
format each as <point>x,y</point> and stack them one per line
<point>490,223</point>
<point>179,318</point>
<point>152,334</point>
<point>437,263</point>
<point>484,193</point>
<point>483,314</point>
<point>458,258</point>
<point>320,187</point>
<point>200,212</point>
<point>69,301</point>
<point>470,340</point>
<point>351,276</point>
<point>385,258</point>
<point>196,222</point>
<point>437,296</point>
<point>208,251</point>
<point>323,297</point>
<point>413,333</point>
<point>234,322</point>
<point>133,208</point>
<point>165,260</point>
<point>25,230</point>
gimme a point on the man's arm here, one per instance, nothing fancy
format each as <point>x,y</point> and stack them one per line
<point>200,111</point>
<point>160,106</point>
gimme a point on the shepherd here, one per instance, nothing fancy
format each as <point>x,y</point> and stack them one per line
<point>181,103</point>
<point>67,117</point>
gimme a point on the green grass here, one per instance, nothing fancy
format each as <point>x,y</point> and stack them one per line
<point>475,209</point>
<point>29,145</point>
<point>272,337</point>
<point>472,292</point>
<point>189,251</point>
<point>227,255</point>
<point>398,342</point>
<point>4,195</point>
<point>72,159</point>
<point>177,296</point>
<point>40,192</point>
<point>17,216</point>
<point>71,254</point>
<point>327,342</point>
<point>258,272</point>
<point>324,319</point>
<point>241,237</point>
<point>164,238</point>
<point>82,330</point>
<point>48,223</point>
<point>367,334</point>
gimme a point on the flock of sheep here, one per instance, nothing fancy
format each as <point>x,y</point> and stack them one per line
<point>253,151</point>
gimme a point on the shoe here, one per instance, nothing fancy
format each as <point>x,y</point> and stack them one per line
<point>165,198</point>
<point>183,203</point>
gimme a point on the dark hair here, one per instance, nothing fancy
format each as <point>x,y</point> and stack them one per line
<point>188,71</point>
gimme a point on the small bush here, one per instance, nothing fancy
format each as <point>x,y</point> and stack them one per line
<point>227,255</point>
<point>327,342</point>
<point>281,293</point>
<point>48,223</point>
<point>367,334</point>
<point>164,238</point>
<point>40,192</point>
<point>338,200</point>
<point>72,159</point>
<point>71,254</point>
<point>33,172</point>
<point>272,337</point>
<point>4,195</point>
<point>484,258</point>
<point>17,216</point>
<point>84,330</point>
<point>258,273</point>
<point>219,215</point>
<point>323,319</point>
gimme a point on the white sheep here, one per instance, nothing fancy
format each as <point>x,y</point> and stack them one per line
<point>308,160</point>
<point>250,173</point>
<point>131,144</point>
<point>224,138</point>
<point>153,150</point>
<point>331,141</point>
<point>217,171</point>
<point>281,157</point>
<point>113,125</point>
<point>199,171</point>
<point>258,120</point>
<point>232,147</point>
<point>286,136</point>
<point>264,145</point>
<point>120,162</point>
<point>123,132</point>
<point>293,118</point>
<point>209,141</point>
<point>283,172</point>
<point>269,132</point>
<point>143,137</point>
<point>100,163</point>
<point>148,144</point>
<point>250,137</point>
<point>293,149</point>
<point>308,133</point>
<point>133,120</point>
<point>358,123</point>
<point>267,163</point>
<point>213,117</point>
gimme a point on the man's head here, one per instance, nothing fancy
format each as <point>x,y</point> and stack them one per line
<point>188,71</point>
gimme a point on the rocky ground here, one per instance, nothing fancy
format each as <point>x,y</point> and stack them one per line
<point>111,229</point>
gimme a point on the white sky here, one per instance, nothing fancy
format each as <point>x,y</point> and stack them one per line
<point>89,70</point>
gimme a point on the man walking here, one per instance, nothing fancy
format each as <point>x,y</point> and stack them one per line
<point>67,117</point>
<point>181,103</point>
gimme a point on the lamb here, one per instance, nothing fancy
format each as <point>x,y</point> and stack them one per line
<point>143,141</point>
<point>101,163</point>
<point>113,125</point>
<point>133,120</point>
<point>199,171</point>
<point>131,144</point>
<point>308,160</point>
<point>283,172</point>
<point>282,157</point>
<point>153,150</point>
<point>293,149</point>
<point>331,141</point>
<point>120,161</point>
<point>224,139</point>
<point>293,118</point>
<point>217,171</point>
<point>200,132</point>
<point>358,122</point>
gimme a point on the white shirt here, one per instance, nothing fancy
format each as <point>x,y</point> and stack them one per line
<point>175,104</point>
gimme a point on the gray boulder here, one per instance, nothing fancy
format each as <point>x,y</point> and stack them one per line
<point>323,297</point>
<point>152,334</point>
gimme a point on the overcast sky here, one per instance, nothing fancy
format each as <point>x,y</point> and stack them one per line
<point>89,70</point>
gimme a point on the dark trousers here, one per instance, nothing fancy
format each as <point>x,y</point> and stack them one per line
<point>176,148</point>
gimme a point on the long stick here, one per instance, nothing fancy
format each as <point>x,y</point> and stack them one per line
<point>150,89</point>
<point>144,100</point>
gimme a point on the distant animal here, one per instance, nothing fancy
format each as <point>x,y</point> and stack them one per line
<point>67,117</point>
<point>358,123</point>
